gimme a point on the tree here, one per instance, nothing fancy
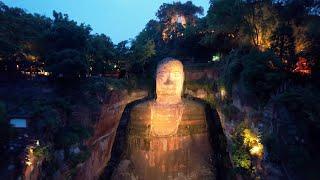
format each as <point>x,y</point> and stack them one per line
<point>101,54</point>
<point>19,34</point>
<point>177,14</point>
<point>143,50</point>
<point>282,42</point>
<point>66,34</point>
<point>68,64</point>
<point>241,23</point>
<point>167,11</point>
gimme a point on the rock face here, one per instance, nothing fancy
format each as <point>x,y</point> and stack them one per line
<point>167,109</point>
<point>193,119</point>
<point>204,73</point>
<point>187,154</point>
<point>104,134</point>
<point>167,137</point>
<point>169,81</point>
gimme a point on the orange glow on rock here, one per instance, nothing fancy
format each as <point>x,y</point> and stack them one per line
<point>165,119</point>
<point>169,81</point>
<point>167,110</point>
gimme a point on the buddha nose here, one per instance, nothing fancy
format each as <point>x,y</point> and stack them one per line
<point>169,80</point>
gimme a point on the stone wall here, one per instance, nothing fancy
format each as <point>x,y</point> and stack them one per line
<point>196,74</point>
<point>104,133</point>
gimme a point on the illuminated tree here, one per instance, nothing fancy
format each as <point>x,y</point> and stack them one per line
<point>188,10</point>
<point>175,14</point>
<point>19,35</point>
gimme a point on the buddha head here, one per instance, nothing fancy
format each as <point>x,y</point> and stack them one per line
<point>169,81</point>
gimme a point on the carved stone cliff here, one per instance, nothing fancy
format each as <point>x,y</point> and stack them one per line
<point>104,133</point>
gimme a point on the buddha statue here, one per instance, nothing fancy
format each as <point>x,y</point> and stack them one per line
<point>167,136</point>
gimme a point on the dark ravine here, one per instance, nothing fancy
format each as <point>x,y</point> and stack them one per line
<point>217,139</point>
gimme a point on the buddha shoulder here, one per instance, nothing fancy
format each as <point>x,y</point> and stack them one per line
<point>193,110</point>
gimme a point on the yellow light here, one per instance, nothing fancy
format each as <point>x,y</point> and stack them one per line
<point>37,143</point>
<point>251,140</point>
<point>223,92</point>
<point>257,150</point>
<point>28,163</point>
<point>169,81</point>
<point>167,110</point>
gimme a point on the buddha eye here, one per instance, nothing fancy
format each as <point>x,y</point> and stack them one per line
<point>161,75</point>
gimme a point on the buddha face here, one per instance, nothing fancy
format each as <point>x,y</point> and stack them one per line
<point>169,81</point>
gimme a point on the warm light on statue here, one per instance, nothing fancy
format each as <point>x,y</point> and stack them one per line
<point>167,110</point>
<point>167,136</point>
<point>169,81</point>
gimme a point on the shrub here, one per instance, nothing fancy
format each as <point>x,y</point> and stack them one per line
<point>71,135</point>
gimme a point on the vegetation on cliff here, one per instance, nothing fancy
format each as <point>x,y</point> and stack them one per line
<point>266,54</point>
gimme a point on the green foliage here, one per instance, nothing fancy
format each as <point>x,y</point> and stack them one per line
<point>273,147</point>
<point>71,135</point>
<point>18,31</point>
<point>101,54</point>
<point>231,70</point>
<point>46,118</point>
<point>259,77</point>
<point>241,158</point>
<point>75,159</point>
<point>282,43</point>
<point>188,9</point>
<point>225,16</point>
<point>63,104</point>
<point>259,72</point>
<point>143,50</point>
<point>42,152</point>
<point>59,45</point>
<point>307,98</point>
<point>230,111</point>
<point>240,153</point>
<point>66,34</point>
<point>68,64</point>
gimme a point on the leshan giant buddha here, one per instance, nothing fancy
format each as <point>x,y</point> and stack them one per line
<point>167,137</point>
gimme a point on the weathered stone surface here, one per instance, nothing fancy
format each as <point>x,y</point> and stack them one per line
<point>105,130</point>
<point>167,137</point>
<point>185,157</point>
<point>169,81</point>
<point>203,73</point>
<point>193,117</point>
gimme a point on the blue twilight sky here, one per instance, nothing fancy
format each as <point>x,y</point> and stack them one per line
<point>119,19</point>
